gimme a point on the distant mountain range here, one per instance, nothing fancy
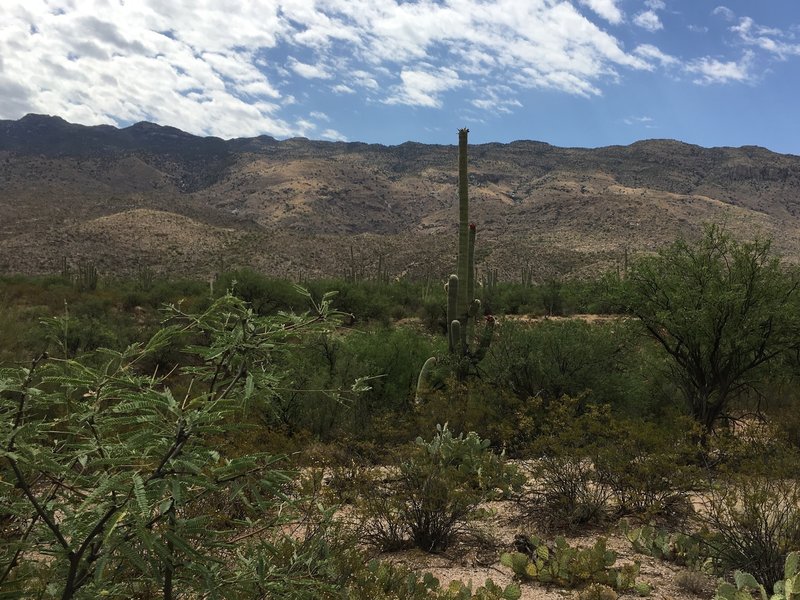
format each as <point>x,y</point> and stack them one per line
<point>157,197</point>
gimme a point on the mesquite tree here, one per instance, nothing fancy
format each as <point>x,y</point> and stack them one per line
<point>721,310</point>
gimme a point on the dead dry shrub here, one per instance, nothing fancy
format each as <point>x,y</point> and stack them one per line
<point>694,582</point>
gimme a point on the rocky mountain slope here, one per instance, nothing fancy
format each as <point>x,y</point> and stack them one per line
<point>157,197</point>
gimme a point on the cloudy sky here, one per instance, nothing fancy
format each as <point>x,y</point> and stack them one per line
<point>567,72</point>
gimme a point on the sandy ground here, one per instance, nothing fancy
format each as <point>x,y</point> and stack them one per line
<point>474,561</point>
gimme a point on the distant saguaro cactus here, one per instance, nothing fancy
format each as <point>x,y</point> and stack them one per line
<point>462,306</point>
<point>86,278</point>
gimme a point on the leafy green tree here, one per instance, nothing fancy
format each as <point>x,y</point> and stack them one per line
<point>721,310</point>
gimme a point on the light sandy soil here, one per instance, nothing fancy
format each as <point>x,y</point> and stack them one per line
<point>477,561</point>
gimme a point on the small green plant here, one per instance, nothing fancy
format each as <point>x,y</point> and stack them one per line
<point>388,581</point>
<point>437,489</point>
<point>561,564</point>
<point>113,474</point>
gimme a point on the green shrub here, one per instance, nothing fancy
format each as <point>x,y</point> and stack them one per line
<point>567,494</point>
<point>648,469</point>
<point>117,481</point>
<point>754,524</point>
<point>438,487</point>
<point>551,359</point>
<point>396,582</point>
<point>266,295</point>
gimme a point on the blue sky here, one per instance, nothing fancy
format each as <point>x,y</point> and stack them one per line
<point>567,72</point>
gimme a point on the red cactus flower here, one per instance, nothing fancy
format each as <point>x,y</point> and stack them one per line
<point>490,319</point>
<point>472,226</point>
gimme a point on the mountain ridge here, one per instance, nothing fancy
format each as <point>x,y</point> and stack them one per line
<point>273,203</point>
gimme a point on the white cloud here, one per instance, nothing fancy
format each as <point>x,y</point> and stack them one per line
<point>711,70</point>
<point>724,12</point>
<point>99,62</point>
<point>340,88</point>
<point>655,4</point>
<point>770,39</point>
<point>697,28</point>
<point>642,121</point>
<point>320,116</point>
<point>607,9</point>
<point>648,20</point>
<point>308,71</point>
<point>333,135</point>
<point>498,99</point>
<point>423,88</point>
<point>220,67</point>
<point>650,52</point>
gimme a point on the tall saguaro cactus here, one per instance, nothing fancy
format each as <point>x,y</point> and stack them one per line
<point>462,306</point>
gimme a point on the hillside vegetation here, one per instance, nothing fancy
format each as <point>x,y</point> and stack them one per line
<point>156,197</point>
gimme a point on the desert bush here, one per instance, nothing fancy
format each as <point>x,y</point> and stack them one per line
<point>648,469</point>
<point>590,463</point>
<point>107,474</point>
<point>721,311</point>
<point>567,494</point>
<point>437,488</point>
<point>490,411</point>
<point>597,591</point>
<point>265,295</point>
<point>389,357</point>
<point>693,582</point>
<point>396,582</point>
<point>754,523</point>
<point>551,359</point>
<point>567,491</point>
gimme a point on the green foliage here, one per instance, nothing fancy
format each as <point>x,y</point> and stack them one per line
<point>680,548</point>
<point>437,488</point>
<point>721,310</point>
<point>591,463</point>
<point>390,357</point>
<point>560,564</point>
<point>648,469</point>
<point>551,359</point>
<point>384,580</point>
<point>107,472</point>
<point>755,525</point>
<point>745,585</point>
<point>265,295</point>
